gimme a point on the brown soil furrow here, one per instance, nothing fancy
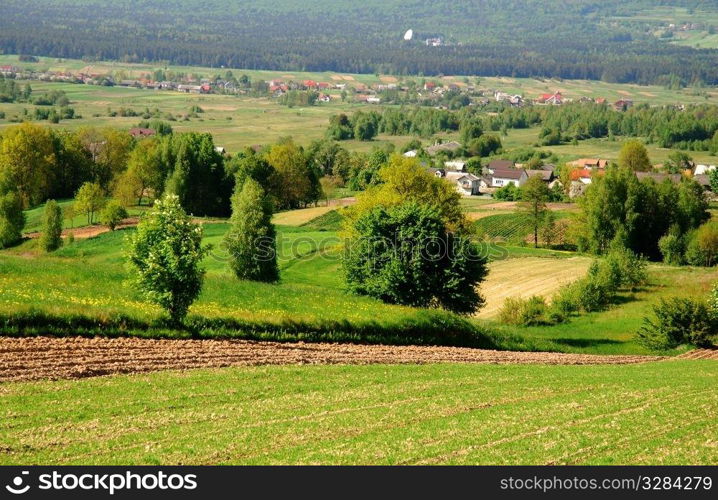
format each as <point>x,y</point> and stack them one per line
<point>35,358</point>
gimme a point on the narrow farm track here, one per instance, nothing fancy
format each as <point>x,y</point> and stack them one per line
<point>35,358</point>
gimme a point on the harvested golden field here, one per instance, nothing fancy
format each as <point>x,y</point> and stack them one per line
<point>528,276</point>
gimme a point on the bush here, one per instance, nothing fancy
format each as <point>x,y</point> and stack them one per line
<point>627,269</point>
<point>672,247</point>
<point>113,214</point>
<point>568,300</point>
<point>508,193</point>
<point>51,237</point>
<point>524,312</point>
<point>12,219</point>
<point>702,247</point>
<point>678,321</point>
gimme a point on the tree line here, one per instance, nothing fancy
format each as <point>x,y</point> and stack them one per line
<point>519,38</point>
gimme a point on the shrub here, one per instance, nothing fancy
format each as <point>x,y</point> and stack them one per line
<point>113,214</point>
<point>678,321</point>
<point>51,237</point>
<point>12,219</point>
<point>702,247</point>
<point>672,247</point>
<point>70,238</point>
<point>508,193</point>
<point>524,312</point>
<point>628,269</point>
<point>165,254</point>
<point>568,300</point>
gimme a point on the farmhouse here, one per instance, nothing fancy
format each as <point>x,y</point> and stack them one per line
<point>500,164</point>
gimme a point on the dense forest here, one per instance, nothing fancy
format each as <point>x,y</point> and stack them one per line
<point>522,38</point>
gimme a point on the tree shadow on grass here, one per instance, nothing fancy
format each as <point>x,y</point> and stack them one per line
<point>585,343</point>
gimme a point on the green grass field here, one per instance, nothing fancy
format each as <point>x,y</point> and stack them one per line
<point>655,413</point>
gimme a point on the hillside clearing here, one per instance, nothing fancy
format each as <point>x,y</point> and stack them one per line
<point>524,277</point>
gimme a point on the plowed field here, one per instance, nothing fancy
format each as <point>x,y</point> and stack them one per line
<point>35,358</point>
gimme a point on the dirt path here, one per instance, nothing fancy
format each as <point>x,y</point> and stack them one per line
<point>36,358</point>
<point>83,232</point>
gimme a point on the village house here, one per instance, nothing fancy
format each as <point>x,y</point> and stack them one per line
<point>554,99</point>
<point>622,104</point>
<point>500,175</point>
<point>589,163</point>
<point>466,184</point>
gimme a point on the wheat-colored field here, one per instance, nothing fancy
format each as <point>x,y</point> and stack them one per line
<point>526,277</point>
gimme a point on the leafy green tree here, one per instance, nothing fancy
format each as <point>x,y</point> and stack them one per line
<point>294,182</point>
<point>405,254</point>
<point>113,214</point>
<point>672,246</point>
<point>474,166</point>
<point>365,127</point>
<point>534,195</point>
<point>404,180</point>
<point>469,130</point>
<point>198,176</point>
<point>90,199</point>
<point>27,159</point>
<point>251,239</point>
<point>51,233</point>
<point>144,171</point>
<point>165,255</point>
<point>634,156</point>
<point>713,177</point>
<point>486,145</point>
<point>12,219</point>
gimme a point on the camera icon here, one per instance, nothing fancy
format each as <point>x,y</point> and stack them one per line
<point>17,487</point>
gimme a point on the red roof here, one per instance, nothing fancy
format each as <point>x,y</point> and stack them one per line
<point>310,83</point>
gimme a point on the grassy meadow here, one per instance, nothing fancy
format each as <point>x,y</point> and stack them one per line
<point>654,413</point>
<point>82,289</point>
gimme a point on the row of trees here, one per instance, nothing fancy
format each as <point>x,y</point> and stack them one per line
<point>617,207</point>
<point>692,128</point>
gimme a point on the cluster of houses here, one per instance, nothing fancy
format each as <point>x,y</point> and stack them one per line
<point>557,99</point>
<point>497,174</point>
<point>585,169</point>
<point>500,173</point>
